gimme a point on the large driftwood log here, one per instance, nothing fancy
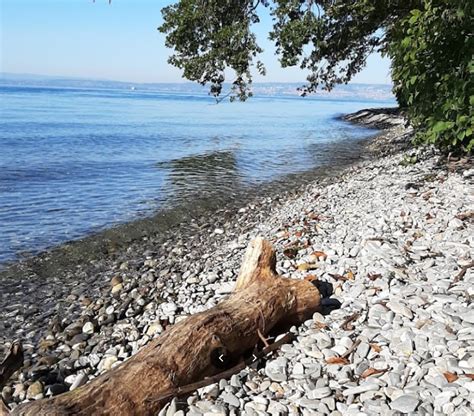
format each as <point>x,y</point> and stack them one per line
<point>200,346</point>
<point>13,361</point>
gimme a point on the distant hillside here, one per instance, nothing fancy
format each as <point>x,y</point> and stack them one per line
<point>379,92</point>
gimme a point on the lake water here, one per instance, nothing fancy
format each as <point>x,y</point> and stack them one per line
<point>74,161</point>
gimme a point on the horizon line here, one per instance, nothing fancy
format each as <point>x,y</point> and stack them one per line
<point>184,81</point>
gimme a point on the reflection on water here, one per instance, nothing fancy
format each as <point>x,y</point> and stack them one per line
<point>223,174</point>
<point>200,175</point>
<point>73,161</point>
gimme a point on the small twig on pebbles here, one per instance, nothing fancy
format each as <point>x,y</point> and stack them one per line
<point>346,325</point>
<point>264,340</point>
<point>465,215</point>
<point>461,274</point>
<point>351,349</point>
<point>338,277</point>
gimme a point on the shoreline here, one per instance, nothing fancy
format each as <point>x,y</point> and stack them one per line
<point>135,296</point>
<point>83,267</point>
<point>108,240</point>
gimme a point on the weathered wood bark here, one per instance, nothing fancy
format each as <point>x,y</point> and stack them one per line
<point>4,410</point>
<point>12,362</point>
<point>190,350</point>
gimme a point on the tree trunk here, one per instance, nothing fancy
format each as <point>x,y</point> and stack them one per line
<point>200,346</point>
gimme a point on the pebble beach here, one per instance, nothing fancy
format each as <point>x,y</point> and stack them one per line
<point>393,234</point>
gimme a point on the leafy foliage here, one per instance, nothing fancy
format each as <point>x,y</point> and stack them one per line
<point>432,69</point>
<point>429,41</point>
<point>209,36</point>
<point>333,38</point>
<point>330,38</point>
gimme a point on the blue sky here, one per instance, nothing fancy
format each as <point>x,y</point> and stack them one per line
<point>80,38</point>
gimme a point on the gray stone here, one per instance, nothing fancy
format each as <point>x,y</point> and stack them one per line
<point>308,403</point>
<point>80,380</point>
<point>363,349</point>
<point>421,319</point>
<point>225,288</point>
<point>222,384</point>
<point>94,360</point>
<point>235,381</point>
<point>264,385</point>
<point>402,342</point>
<point>230,399</point>
<point>88,328</point>
<point>468,316</point>
<point>172,409</point>
<point>400,309</point>
<point>276,369</point>
<point>34,390</point>
<point>405,403</point>
<point>169,308</point>
<point>298,369</point>
<point>107,362</point>
<point>394,379</point>
<point>203,405</point>
<point>361,389</point>
<point>323,340</point>
<point>319,393</point>
<point>276,408</point>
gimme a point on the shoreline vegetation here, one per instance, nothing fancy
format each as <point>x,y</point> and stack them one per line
<point>392,233</point>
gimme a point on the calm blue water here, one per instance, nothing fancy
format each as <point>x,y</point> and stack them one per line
<point>74,161</point>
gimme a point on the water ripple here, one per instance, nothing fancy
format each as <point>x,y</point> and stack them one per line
<point>76,161</point>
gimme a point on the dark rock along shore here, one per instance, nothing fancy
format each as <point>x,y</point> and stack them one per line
<point>396,231</point>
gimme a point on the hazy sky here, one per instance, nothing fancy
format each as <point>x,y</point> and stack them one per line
<point>80,38</point>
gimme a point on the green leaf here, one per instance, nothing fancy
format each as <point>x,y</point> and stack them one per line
<point>440,126</point>
<point>406,41</point>
<point>415,14</point>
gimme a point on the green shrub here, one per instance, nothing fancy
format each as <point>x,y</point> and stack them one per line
<point>433,68</point>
